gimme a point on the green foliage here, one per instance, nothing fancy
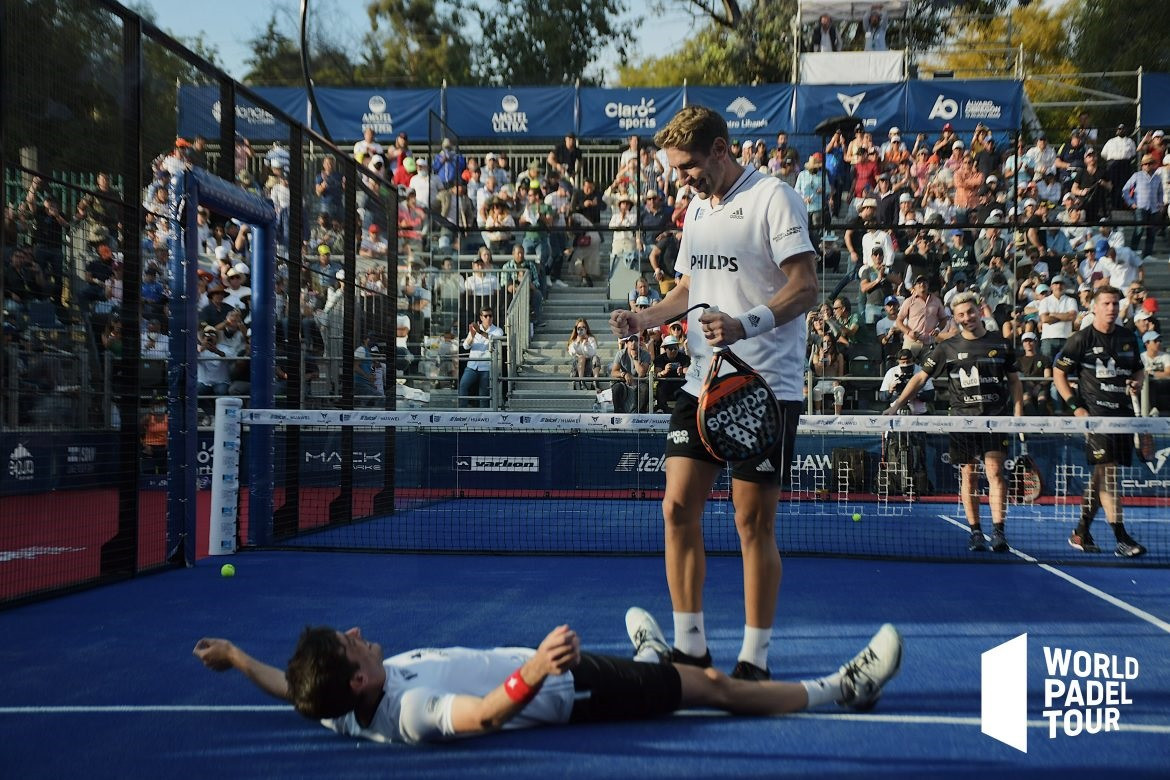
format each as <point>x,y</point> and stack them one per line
<point>1118,35</point>
<point>548,42</point>
<point>417,43</point>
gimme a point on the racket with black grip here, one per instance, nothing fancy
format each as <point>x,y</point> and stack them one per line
<point>738,417</point>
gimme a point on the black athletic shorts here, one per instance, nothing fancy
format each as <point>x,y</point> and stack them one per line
<point>612,689</point>
<point>971,447</point>
<point>1114,448</point>
<point>772,467</point>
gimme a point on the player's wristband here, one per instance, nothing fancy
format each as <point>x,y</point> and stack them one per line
<point>1072,404</point>
<point>756,321</point>
<point>518,690</point>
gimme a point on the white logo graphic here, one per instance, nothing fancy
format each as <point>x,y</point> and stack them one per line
<point>766,467</point>
<point>850,102</point>
<point>737,214</point>
<point>641,462</point>
<point>969,378</point>
<point>378,118</point>
<point>1004,696</point>
<point>741,107</point>
<point>944,108</point>
<point>252,114</point>
<point>1106,369</point>
<point>1159,459</point>
<point>679,437</point>
<point>20,464</point>
<point>633,116</point>
<point>511,119</point>
<point>1083,691</point>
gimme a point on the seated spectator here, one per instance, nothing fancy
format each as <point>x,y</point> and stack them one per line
<point>518,273</point>
<point>623,249</point>
<point>583,357</point>
<point>216,311</point>
<point>630,371</point>
<point>845,325</point>
<point>213,371</point>
<point>156,345</point>
<point>642,289</point>
<point>154,436</point>
<point>1157,367</point>
<point>365,389</point>
<point>887,333</point>
<point>827,364</point>
<point>670,368</point>
<point>1036,375</point>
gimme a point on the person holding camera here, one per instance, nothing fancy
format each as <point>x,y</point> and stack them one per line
<point>896,379</point>
<point>475,384</point>
<point>670,368</point>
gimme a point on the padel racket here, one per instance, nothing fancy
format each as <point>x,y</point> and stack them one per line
<point>1026,484</point>
<point>1142,442</point>
<point>738,417</point>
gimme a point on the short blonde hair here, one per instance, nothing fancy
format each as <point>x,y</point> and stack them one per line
<point>693,129</point>
<point>966,297</point>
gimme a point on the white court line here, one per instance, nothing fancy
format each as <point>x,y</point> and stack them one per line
<point>858,717</point>
<point>1137,612</point>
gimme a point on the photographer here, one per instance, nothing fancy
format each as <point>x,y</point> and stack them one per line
<point>895,382</point>
<point>670,368</point>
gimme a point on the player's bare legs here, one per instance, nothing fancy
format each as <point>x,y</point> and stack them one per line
<point>688,484</point>
<point>996,486</point>
<point>755,520</point>
<point>968,490</point>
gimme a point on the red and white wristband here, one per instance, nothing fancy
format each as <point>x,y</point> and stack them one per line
<point>518,690</point>
<point>757,320</point>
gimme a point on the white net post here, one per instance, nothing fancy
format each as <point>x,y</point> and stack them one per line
<point>225,477</point>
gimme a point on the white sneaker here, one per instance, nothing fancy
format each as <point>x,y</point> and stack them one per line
<point>862,678</point>
<point>649,641</point>
<point>559,283</point>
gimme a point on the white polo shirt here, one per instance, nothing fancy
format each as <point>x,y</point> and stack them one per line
<point>1056,305</point>
<point>733,255</point>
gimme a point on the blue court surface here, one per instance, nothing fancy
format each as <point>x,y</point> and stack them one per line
<point>103,684</point>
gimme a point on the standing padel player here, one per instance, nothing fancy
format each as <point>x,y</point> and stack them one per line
<point>1105,360</point>
<point>983,379</point>
<point>746,251</point>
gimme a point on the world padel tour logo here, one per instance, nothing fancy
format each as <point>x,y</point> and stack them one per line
<point>511,119</point>
<point>1084,692</point>
<point>378,118</point>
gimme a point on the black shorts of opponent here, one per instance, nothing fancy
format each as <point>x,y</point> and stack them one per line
<point>771,467</point>
<point>1109,448</point>
<point>966,448</point>
<point>613,689</point>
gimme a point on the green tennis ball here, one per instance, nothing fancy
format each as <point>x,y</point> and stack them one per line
<point>856,517</point>
<point>227,570</point>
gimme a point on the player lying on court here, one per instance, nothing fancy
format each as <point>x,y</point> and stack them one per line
<point>426,695</point>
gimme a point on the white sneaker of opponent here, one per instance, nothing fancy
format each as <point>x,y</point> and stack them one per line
<point>649,642</point>
<point>863,678</point>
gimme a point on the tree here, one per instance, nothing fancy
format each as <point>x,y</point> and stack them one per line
<point>417,43</point>
<point>552,42</point>
<point>276,54</point>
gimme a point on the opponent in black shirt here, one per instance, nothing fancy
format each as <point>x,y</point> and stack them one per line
<point>1106,361</point>
<point>983,379</point>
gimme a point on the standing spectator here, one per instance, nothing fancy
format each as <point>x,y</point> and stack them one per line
<point>875,25</point>
<point>421,183</point>
<point>875,287</point>
<point>565,159</point>
<point>810,184</point>
<point>330,186</point>
<point>48,242</point>
<point>824,35</point>
<point>921,318</point>
<point>475,384</point>
<point>623,248</point>
<point>1142,192</point>
<point>1118,153</point>
<point>1056,313</point>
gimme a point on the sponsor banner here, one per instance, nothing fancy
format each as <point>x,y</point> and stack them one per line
<point>874,106</point>
<point>199,113</point>
<point>511,113</point>
<point>997,104</point>
<point>1155,112</point>
<point>348,112</point>
<point>760,111</point>
<point>620,113</point>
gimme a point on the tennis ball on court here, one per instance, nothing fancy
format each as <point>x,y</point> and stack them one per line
<point>227,570</point>
<point>856,517</point>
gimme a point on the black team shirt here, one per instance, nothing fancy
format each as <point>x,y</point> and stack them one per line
<point>976,371</point>
<point>1101,363</point>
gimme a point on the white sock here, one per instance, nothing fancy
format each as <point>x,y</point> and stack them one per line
<point>689,636</point>
<point>823,690</point>
<point>755,646</point>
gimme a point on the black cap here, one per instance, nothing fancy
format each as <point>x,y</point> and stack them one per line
<point>905,354</point>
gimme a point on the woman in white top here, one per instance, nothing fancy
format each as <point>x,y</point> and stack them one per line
<point>624,246</point>
<point>582,350</point>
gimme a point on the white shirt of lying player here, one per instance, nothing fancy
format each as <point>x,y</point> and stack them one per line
<point>732,254</point>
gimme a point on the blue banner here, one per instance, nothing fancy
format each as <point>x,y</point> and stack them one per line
<point>348,112</point>
<point>512,113</point>
<point>199,113</point>
<point>997,104</point>
<point>1155,89</point>
<point>750,111</point>
<point>620,113</point>
<point>873,105</point>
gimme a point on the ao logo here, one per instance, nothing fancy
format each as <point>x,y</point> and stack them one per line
<point>377,104</point>
<point>944,108</point>
<point>741,107</point>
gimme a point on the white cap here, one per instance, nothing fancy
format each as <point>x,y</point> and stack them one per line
<point>670,341</point>
<point>894,131</point>
<point>242,269</point>
<point>403,321</point>
<point>1142,315</point>
<point>905,197</point>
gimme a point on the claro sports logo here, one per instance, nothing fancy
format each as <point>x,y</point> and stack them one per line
<point>633,116</point>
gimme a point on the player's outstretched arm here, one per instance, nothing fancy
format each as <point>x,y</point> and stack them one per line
<point>558,653</point>
<point>221,655</point>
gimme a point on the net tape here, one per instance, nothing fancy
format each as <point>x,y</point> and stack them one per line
<point>595,421</point>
